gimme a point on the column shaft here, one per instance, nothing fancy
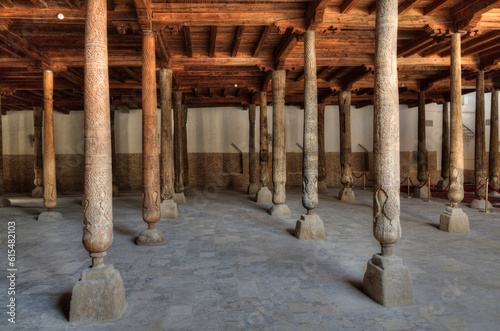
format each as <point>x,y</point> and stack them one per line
<point>279,144</point>
<point>264,143</point>
<point>1,151</point>
<point>49,156</point>
<point>480,163</point>
<point>38,152</point>
<point>150,158</point>
<point>113,153</point>
<point>253,168</point>
<point>321,143</point>
<point>494,155</point>
<point>422,148</point>
<point>445,148</point>
<point>178,143</point>
<point>185,169</point>
<point>167,147</point>
<point>345,139</point>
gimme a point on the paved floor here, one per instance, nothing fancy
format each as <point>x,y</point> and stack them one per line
<point>228,265</point>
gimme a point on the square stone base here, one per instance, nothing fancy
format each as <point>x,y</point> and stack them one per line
<point>264,195</point>
<point>252,188</point>
<point>151,237</point>
<point>180,198</point>
<point>50,216</point>
<point>310,227</point>
<point>169,209</point>
<point>37,192</point>
<point>480,204</point>
<point>454,220</point>
<point>421,193</point>
<point>98,296</point>
<point>388,282</point>
<point>346,194</point>
<point>280,210</point>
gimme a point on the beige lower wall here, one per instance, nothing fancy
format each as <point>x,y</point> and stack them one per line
<point>205,170</point>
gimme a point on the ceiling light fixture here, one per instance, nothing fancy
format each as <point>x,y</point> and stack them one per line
<point>60,16</point>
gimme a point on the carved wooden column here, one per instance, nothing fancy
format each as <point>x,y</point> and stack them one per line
<point>494,155</point>
<point>49,156</point>
<point>38,152</point>
<point>310,226</point>
<point>480,162</point>
<point>185,158</point>
<point>116,192</point>
<point>168,206</point>
<point>99,295</point>
<point>179,197</point>
<point>322,187</point>
<point>453,219</point>
<point>279,145</point>
<point>422,166</point>
<point>4,202</point>
<point>253,167</point>
<point>346,179</point>
<point>445,149</point>
<point>151,194</point>
<point>387,280</point>
<point>264,194</point>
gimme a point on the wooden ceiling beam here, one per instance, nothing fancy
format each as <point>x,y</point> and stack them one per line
<point>213,40</point>
<point>20,44</point>
<point>315,12</point>
<point>266,80</point>
<point>436,5</point>
<point>144,14</point>
<point>301,76</point>
<point>473,42</point>
<point>337,73</point>
<point>237,41</point>
<point>322,72</point>
<point>73,4</point>
<point>467,14</point>
<point>288,43</point>
<point>358,74</point>
<point>407,6</point>
<point>135,76</point>
<point>40,4</point>
<point>6,4</point>
<point>162,49</point>
<point>427,83</point>
<point>262,41</point>
<point>493,43</point>
<point>424,38</point>
<point>71,77</point>
<point>188,41</point>
<point>348,5</point>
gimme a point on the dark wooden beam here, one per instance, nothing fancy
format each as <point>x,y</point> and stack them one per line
<point>162,49</point>
<point>6,4</point>
<point>72,77</point>
<point>467,14</point>
<point>407,6</point>
<point>133,74</point>
<point>288,43</point>
<point>348,5</point>
<point>337,73</point>
<point>493,43</point>
<point>427,83</point>
<point>473,42</point>
<point>322,72</point>
<point>314,13</point>
<point>40,4</point>
<point>187,39</point>
<point>73,4</point>
<point>262,40</point>
<point>144,14</point>
<point>213,40</point>
<point>424,38</point>
<point>355,76</point>
<point>237,41</point>
<point>300,77</point>
<point>436,5</point>
<point>266,80</point>
<point>20,44</point>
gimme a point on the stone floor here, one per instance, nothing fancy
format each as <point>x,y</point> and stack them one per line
<point>228,265</point>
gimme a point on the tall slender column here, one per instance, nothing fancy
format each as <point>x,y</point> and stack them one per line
<point>179,197</point>
<point>494,155</point>
<point>185,168</point>
<point>480,162</point>
<point>100,294</point>
<point>445,149</point>
<point>38,152</point>
<point>168,206</point>
<point>453,219</point>
<point>422,166</point>
<point>151,194</point>
<point>4,202</point>
<point>116,192</point>
<point>253,168</point>
<point>310,225</point>
<point>279,145</point>
<point>264,194</point>
<point>346,179</point>
<point>387,280</point>
<point>49,156</point>
<point>322,188</point>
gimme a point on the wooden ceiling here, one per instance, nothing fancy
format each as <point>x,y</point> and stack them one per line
<point>222,51</point>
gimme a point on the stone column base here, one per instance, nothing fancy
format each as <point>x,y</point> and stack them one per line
<point>494,194</point>
<point>454,220</point>
<point>264,195</point>
<point>169,209</point>
<point>4,202</point>
<point>37,192</point>
<point>252,188</point>
<point>346,194</point>
<point>98,296</point>
<point>310,227</point>
<point>280,210</point>
<point>421,193</point>
<point>49,216</point>
<point>388,282</point>
<point>322,188</point>
<point>480,204</point>
<point>151,237</point>
<point>180,198</point>
<point>116,192</point>
<point>442,184</point>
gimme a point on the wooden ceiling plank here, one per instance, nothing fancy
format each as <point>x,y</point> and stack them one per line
<point>436,5</point>
<point>144,14</point>
<point>288,43</point>
<point>315,12</point>
<point>348,5</point>
<point>73,4</point>
<point>482,47</point>
<point>20,44</point>
<point>6,4</point>
<point>188,41</point>
<point>237,41</point>
<point>133,74</point>
<point>407,6</point>
<point>262,41</point>
<point>213,40</point>
<point>40,4</point>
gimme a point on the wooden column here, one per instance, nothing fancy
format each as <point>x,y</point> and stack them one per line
<point>392,286</point>
<point>167,147</point>
<point>494,155</point>
<point>185,162</point>
<point>480,162</point>
<point>422,192</point>
<point>49,156</point>
<point>179,197</point>
<point>310,225</point>
<point>151,194</point>
<point>445,149</point>
<point>38,152</point>
<point>3,201</point>
<point>113,153</point>
<point>253,168</point>
<point>322,174</point>
<point>346,179</point>
<point>99,295</point>
<point>279,145</point>
<point>264,194</point>
<point>453,219</point>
